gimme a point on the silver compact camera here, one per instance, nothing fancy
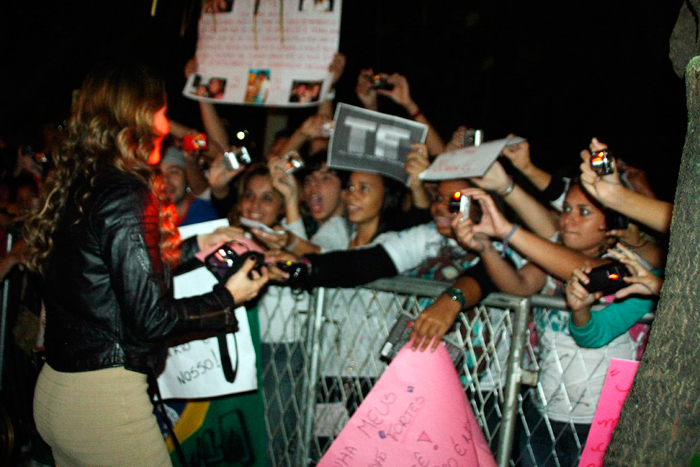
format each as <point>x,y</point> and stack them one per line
<point>233,160</point>
<point>292,162</point>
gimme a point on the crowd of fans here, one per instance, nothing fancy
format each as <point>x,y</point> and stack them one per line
<point>541,236</point>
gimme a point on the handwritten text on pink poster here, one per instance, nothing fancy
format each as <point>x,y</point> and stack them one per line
<point>618,383</point>
<point>416,415</point>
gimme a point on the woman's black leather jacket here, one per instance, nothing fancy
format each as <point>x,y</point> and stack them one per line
<point>108,295</point>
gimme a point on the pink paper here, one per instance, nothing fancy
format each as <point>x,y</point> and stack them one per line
<point>617,385</point>
<point>416,415</point>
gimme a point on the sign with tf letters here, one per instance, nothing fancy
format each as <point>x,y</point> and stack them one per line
<point>371,141</point>
<point>416,415</point>
<point>618,383</point>
<point>472,161</point>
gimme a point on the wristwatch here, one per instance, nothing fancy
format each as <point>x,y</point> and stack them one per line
<point>456,295</point>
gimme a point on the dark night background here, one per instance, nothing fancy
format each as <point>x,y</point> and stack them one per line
<point>554,72</point>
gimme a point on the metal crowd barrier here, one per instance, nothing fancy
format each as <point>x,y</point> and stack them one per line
<point>323,361</point>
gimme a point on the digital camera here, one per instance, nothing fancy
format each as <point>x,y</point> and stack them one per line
<point>380,82</point>
<point>292,162</point>
<point>460,203</point>
<point>607,278</point>
<point>196,142</point>
<point>224,261</point>
<point>472,137</point>
<point>233,160</point>
<point>602,162</point>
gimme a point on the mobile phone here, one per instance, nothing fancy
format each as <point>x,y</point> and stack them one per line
<point>196,142</point>
<point>233,160</point>
<point>607,278</point>
<point>251,224</point>
<point>602,162</point>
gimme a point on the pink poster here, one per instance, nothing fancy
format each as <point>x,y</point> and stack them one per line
<point>416,415</point>
<point>617,385</point>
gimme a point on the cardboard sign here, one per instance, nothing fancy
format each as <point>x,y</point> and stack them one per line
<point>472,161</point>
<point>193,369</point>
<point>271,53</point>
<point>618,383</point>
<point>416,415</point>
<point>371,141</point>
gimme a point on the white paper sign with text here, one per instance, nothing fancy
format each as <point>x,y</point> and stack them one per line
<point>271,53</point>
<point>473,161</point>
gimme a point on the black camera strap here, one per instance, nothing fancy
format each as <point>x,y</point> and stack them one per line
<point>229,371</point>
<point>155,394</point>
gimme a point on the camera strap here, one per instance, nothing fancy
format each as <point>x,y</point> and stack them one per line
<point>157,400</point>
<point>229,371</point>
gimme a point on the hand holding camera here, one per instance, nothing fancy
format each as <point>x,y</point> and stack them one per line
<point>641,280</point>
<point>599,175</point>
<point>245,284</point>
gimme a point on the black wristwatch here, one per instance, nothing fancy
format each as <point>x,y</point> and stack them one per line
<point>456,295</point>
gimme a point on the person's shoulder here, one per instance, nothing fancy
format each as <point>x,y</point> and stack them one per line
<point>116,193</point>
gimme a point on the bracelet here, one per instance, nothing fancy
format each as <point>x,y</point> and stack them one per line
<point>415,114</point>
<point>457,295</point>
<point>509,188</point>
<point>508,237</point>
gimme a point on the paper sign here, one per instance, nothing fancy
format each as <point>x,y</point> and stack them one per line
<point>193,369</point>
<point>271,53</point>
<point>473,161</point>
<point>372,141</point>
<point>618,383</point>
<point>415,415</point>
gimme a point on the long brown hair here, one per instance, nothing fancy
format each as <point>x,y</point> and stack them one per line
<point>111,125</point>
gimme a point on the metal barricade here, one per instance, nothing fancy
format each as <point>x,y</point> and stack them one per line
<point>337,339</point>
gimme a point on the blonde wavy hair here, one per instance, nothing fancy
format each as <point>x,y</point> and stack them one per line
<point>111,125</point>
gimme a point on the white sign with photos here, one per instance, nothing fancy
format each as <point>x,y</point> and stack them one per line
<point>472,161</point>
<point>371,141</point>
<point>194,369</point>
<point>271,53</point>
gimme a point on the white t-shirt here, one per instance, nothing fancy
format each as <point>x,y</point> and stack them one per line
<point>334,234</point>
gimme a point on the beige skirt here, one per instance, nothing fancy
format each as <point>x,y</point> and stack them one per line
<point>101,417</point>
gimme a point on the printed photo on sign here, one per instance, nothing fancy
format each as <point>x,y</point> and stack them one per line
<point>305,92</point>
<point>315,5</point>
<point>372,141</point>
<point>218,6</point>
<point>212,88</point>
<point>258,86</point>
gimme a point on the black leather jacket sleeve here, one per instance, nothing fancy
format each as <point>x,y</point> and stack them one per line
<point>130,240</point>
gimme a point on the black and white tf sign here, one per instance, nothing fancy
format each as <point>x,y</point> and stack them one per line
<point>371,141</point>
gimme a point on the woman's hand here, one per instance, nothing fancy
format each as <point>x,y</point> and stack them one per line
<point>337,67</point>
<point>365,91</point>
<point>518,154</point>
<point>433,323</point>
<point>219,236</point>
<point>272,241</point>
<point>401,93</point>
<point>283,182</point>
<point>467,235</point>
<point>642,281</point>
<point>457,141</point>
<point>219,175</point>
<point>578,298</point>
<point>603,188</point>
<point>495,179</point>
<point>493,223</point>
<point>246,283</point>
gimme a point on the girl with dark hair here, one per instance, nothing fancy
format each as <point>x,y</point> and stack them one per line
<point>373,206</point>
<point>104,241</point>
